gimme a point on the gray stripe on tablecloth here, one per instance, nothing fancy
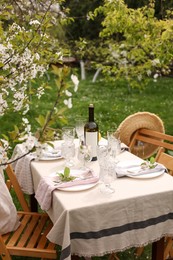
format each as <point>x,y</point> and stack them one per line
<point>121,229</point>
<point>65,253</point>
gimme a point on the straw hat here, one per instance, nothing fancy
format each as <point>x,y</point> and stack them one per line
<point>136,121</point>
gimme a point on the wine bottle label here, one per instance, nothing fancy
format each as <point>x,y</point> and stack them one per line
<point>91,139</point>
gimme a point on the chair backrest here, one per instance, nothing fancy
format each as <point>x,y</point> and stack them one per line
<point>12,182</point>
<point>165,159</point>
<point>151,141</point>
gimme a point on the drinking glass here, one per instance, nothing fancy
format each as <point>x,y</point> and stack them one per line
<point>68,152</point>
<point>68,134</point>
<point>102,151</point>
<point>84,155</point>
<point>114,143</point>
<point>107,170</point>
<point>79,126</point>
<point>108,177</point>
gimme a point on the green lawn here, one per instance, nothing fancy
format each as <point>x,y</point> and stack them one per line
<point>113,103</point>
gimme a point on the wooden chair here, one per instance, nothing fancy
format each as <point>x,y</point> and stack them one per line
<point>151,141</point>
<point>12,183</point>
<point>30,237</point>
<point>167,161</point>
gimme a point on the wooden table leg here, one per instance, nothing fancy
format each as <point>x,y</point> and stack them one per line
<point>158,250</point>
<point>33,203</point>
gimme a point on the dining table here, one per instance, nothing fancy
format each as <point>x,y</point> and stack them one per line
<point>87,222</point>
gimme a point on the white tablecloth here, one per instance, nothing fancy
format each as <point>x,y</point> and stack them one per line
<point>88,223</point>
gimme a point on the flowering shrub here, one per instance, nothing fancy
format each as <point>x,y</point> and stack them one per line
<point>28,45</point>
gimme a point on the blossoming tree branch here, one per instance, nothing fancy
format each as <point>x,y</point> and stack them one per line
<point>28,49</point>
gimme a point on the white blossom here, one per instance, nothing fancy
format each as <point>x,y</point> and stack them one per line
<point>35,22</point>
<point>156,76</point>
<point>122,46</point>
<point>5,143</point>
<point>124,53</point>
<point>29,142</point>
<point>40,92</point>
<point>25,120</point>
<point>155,62</point>
<point>26,125</point>
<point>139,77</point>
<point>148,72</point>
<point>3,105</point>
<point>115,55</point>
<point>3,152</point>
<point>37,56</point>
<point>55,8</point>
<point>68,93</point>
<point>75,80</point>
<point>68,103</point>
<point>26,109</point>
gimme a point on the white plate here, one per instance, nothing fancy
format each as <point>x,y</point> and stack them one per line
<point>131,164</point>
<point>79,187</point>
<point>50,158</point>
<point>75,172</point>
<point>147,175</point>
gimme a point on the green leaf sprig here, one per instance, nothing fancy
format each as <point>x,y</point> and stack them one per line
<point>149,164</point>
<point>65,176</point>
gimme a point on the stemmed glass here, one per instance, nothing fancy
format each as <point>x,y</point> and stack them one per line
<point>114,143</point>
<point>102,151</point>
<point>84,155</point>
<point>68,152</point>
<point>106,169</point>
<point>79,126</point>
<point>68,134</point>
<point>68,146</point>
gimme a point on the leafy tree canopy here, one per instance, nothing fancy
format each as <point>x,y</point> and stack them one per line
<point>135,44</point>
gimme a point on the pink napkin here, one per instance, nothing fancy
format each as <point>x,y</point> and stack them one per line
<point>47,185</point>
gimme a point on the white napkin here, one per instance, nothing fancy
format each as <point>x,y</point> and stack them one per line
<point>131,169</point>
<point>24,175</point>
<point>48,184</point>
<point>22,169</point>
<point>51,154</point>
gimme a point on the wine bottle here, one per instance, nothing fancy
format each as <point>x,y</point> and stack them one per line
<point>91,133</point>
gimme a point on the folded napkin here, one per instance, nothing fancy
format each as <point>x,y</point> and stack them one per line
<point>136,169</point>
<point>24,175</point>
<point>48,184</point>
<point>51,154</point>
<point>22,169</point>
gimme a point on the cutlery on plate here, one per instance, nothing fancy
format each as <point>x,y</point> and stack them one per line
<point>142,172</point>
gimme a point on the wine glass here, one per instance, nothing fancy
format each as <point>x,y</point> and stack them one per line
<point>84,155</point>
<point>108,177</point>
<point>68,134</point>
<point>102,151</point>
<point>68,152</point>
<point>79,126</point>
<point>114,143</point>
<point>107,170</point>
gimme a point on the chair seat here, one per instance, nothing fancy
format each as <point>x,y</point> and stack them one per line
<point>30,237</point>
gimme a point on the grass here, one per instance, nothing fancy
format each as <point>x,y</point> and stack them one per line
<point>113,103</point>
